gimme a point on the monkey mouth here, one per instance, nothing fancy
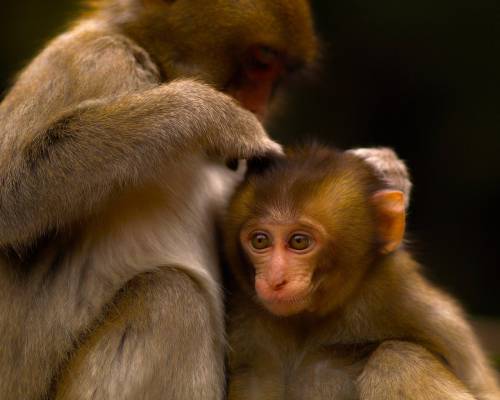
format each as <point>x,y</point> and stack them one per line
<point>287,305</point>
<point>282,304</point>
<point>255,97</point>
<point>254,85</point>
<point>287,300</point>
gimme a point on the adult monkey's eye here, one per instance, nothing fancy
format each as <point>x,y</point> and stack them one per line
<point>300,242</point>
<point>260,241</point>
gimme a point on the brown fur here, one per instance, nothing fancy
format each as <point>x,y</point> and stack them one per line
<point>378,328</point>
<point>111,179</point>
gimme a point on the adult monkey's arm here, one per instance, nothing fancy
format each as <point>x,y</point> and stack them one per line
<point>65,156</point>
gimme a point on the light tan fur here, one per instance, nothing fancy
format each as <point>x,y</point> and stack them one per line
<point>111,180</point>
<point>112,150</point>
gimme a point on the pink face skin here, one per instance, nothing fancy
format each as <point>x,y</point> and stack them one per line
<point>284,256</point>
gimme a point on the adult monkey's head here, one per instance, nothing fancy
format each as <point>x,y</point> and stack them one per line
<point>243,47</point>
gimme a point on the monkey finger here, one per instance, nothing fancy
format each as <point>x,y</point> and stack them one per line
<point>275,149</point>
<point>258,165</point>
<point>266,147</point>
<point>232,163</point>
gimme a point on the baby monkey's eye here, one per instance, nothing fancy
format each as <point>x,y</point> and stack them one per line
<point>300,241</point>
<point>260,241</point>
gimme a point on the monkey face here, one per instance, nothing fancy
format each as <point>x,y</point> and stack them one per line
<point>244,48</point>
<point>284,256</point>
<point>303,233</point>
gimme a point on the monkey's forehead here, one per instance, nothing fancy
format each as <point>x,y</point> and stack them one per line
<point>277,219</point>
<point>284,191</point>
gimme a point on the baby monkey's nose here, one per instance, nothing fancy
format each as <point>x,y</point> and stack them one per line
<point>278,284</point>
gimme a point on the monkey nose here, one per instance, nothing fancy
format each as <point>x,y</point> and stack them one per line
<point>277,284</point>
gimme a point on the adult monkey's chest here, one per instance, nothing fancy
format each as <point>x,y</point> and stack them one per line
<point>168,221</point>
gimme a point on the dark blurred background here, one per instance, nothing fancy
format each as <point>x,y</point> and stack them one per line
<point>421,76</point>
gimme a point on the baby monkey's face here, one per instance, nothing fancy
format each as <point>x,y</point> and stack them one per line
<point>310,227</point>
<point>285,256</point>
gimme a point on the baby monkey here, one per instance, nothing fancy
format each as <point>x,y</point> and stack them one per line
<point>324,300</point>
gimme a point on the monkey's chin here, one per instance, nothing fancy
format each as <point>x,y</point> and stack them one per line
<point>286,308</point>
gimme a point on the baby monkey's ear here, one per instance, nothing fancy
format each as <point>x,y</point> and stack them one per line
<point>391,218</point>
<point>258,165</point>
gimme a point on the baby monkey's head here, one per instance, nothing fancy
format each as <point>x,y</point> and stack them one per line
<point>301,231</point>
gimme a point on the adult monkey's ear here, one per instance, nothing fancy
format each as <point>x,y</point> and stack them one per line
<point>391,218</point>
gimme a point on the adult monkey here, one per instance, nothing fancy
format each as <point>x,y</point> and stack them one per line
<point>108,274</point>
<point>110,179</point>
